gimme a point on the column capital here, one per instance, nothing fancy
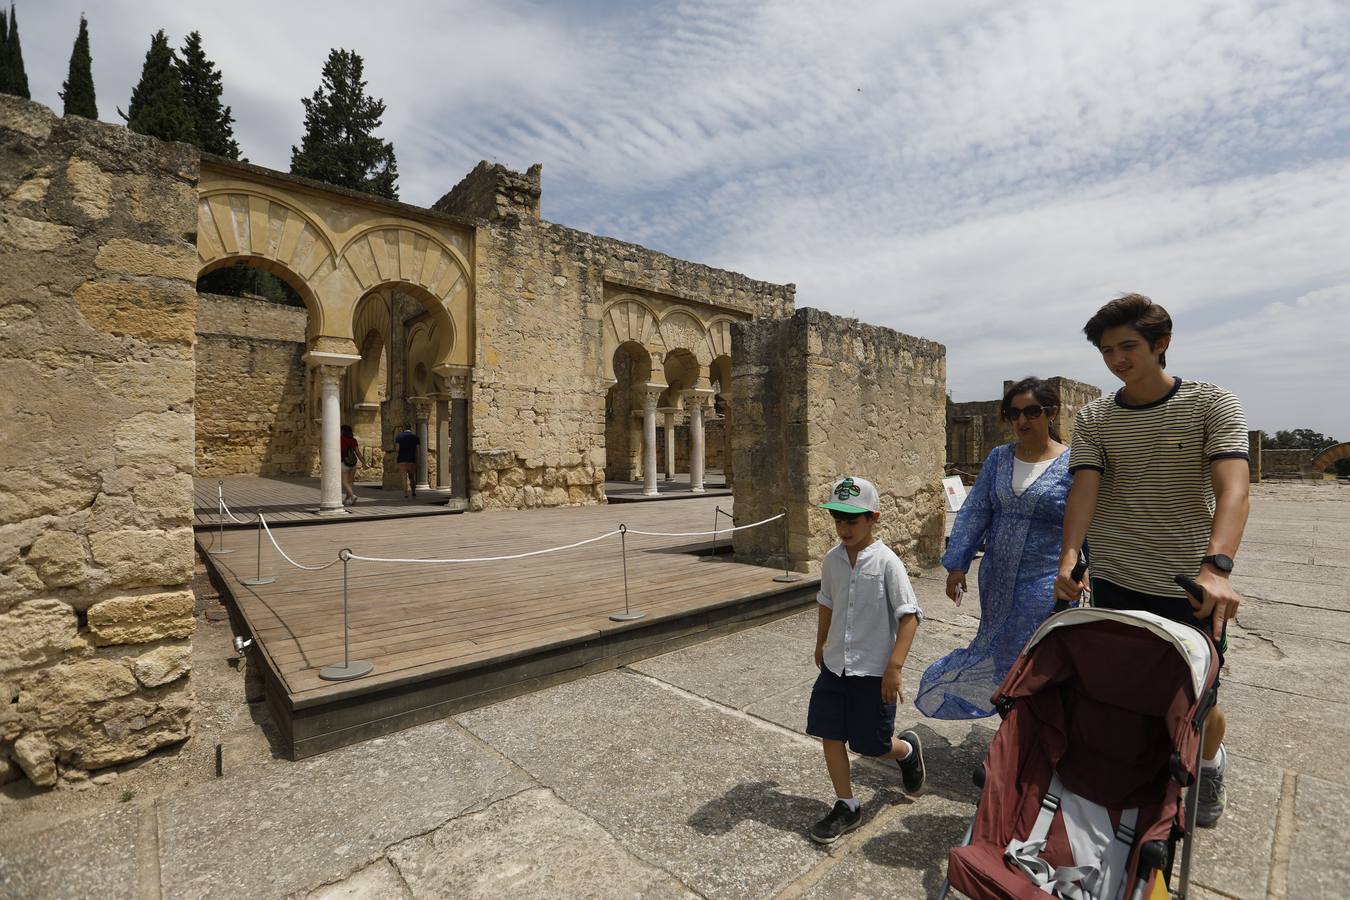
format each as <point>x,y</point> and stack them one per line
<point>457,386</point>
<point>702,397</point>
<point>651,393</point>
<point>422,406</point>
<point>321,358</point>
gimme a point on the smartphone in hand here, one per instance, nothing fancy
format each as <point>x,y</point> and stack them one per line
<point>960,592</point>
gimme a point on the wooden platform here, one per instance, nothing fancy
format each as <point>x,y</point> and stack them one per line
<point>444,638</point>
<point>289,500</point>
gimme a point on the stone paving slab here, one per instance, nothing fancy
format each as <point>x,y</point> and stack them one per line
<point>735,670</point>
<point>528,845</point>
<point>99,860</point>
<point>1319,869</point>
<point>718,800</point>
<point>1234,857</point>
<point>322,818</point>
<point>1288,731</point>
<point>377,881</point>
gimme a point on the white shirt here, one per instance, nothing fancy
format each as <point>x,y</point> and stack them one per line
<point>1024,473</point>
<point>867,601</point>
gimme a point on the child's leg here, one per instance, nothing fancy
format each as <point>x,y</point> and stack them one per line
<point>899,749</point>
<point>836,761</point>
<point>1215,726</point>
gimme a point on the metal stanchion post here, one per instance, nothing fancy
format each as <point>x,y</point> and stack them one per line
<point>220,514</point>
<point>259,580</point>
<point>349,669</point>
<point>788,576</point>
<point>717,511</point>
<point>627,615</point>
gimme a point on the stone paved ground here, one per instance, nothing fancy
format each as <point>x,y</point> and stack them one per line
<point>687,775</point>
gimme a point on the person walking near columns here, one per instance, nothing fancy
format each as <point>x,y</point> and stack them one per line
<point>405,444</point>
<point>351,458</point>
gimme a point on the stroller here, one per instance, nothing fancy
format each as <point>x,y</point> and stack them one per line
<point>1103,719</point>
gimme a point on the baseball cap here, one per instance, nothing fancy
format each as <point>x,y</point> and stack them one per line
<point>853,495</point>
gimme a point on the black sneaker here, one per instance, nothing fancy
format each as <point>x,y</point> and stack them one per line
<point>912,772</point>
<point>840,820</point>
<point>1213,796</point>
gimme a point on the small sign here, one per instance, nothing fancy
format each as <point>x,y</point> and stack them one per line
<point>954,489</point>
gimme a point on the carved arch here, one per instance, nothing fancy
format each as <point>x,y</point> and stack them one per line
<point>681,329</point>
<point>719,336</point>
<point>1329,456</point>
<point>406,254</point>
<point>626,320</point>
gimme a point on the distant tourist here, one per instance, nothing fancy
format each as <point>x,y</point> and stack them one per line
<point>1016,510</point>
<point>406,443</point>
<point>1160,490</point>
<point>860,653</point>
<point>350,460</point>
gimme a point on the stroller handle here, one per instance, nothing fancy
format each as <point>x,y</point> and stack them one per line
<point>1190,586</point>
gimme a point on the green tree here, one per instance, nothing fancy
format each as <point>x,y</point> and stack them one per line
<point>340,146</point>
<point>157,106</point>
<point>13,78</point>
<point>77,92</point>
<point>212,122</point>
<point>1297,439</point>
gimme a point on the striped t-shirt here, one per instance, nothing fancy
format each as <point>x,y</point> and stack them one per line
<point>1155,507</point>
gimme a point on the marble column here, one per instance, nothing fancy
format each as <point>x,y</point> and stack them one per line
<point>442,441</point>
<point>694,404</point>
<point>670,442</point>
<point>422,406</point>
<point>459,437</point>
<point>649,398</point>
<point>330,439</point>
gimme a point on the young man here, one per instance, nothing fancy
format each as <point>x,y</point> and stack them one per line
<point>867,618</point>
<point>1159,490</point>
<point>406,443</point>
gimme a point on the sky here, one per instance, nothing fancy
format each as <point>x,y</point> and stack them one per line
<point>982,174</point>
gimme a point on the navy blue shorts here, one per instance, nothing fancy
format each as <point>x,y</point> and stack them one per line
<point>849,708</point>
<point>1109,595</point>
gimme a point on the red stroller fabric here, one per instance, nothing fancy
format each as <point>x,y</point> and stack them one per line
<point>1103,702</point>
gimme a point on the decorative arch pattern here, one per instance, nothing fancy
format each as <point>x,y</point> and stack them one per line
<point>403,254</point>
<point>253,225</point>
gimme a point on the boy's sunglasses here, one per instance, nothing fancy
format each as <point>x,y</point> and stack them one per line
<point>1031,412</point>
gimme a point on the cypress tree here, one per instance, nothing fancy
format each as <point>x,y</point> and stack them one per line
<point>78,90</point>
<point>4,52</point>
<point>201,89</point>
<point>15,78</point>
<point>157,105</point>
<point>339,145</point>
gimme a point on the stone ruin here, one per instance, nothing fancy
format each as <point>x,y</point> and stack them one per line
<point>976,427</point>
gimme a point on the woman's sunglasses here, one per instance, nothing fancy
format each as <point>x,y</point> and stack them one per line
<point>1031,412</point>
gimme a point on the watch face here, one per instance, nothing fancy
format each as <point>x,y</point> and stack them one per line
<point>1220,562</point>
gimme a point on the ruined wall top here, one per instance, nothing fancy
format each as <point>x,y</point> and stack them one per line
<point>494,192</point>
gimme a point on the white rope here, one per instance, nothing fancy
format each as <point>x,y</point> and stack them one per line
<point>608,534</point>
<point>225,506</point>
<point>705,533</point>
<point>283,552</point>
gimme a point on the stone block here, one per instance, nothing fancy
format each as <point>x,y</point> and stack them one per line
<point>29,234</point>
<point>128,257</point>
<point>162,665</point>
<point>131,727</point>
<point>142,618</point>
<point>158,313</point>
<point>91,188</point>
<point>137,558</point>
<point>35,632</point>
<point>29,493</point>
<point>34,754</point>
<point>59,558</point>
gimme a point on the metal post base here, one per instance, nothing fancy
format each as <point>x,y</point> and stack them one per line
<point>627,617</point>
<point>255,582</point>
<point>219,552</point>
<point>354,669</point>
<point>787,577</point>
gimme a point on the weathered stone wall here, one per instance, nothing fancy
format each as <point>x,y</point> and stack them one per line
<point>97,293</point>
<point>816,397</point>
<point>1254,456</point>
<point>1073,396</point>
<point>1287,464</point>
<point>251,389</point>
<point>494,192</point>
<point>974,428</point>
<point>539,389</point>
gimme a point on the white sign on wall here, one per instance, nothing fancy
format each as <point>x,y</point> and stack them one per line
<point>954,489</point>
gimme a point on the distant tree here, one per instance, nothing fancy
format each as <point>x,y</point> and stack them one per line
<point>13,78</point>
<point>243,279</point>
<point>78,90</point>
<point>340,146</point>
<point>157,106</point>
<point>1297,439</point>
<point>212,122</point>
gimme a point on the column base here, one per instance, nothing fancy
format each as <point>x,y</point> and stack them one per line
<point>333,511</point>
<point>697,490</point>
<point>653,492</point>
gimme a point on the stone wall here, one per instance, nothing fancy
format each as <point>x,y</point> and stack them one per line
<point>816,397</point>
<point>1073,396</point>
<point>1287,464</point>
<point>251,389</point>
<point>99,304</point>
<point>539,390</point>
<point>975,428</point>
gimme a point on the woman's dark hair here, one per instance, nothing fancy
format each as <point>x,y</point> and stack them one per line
<point>1044,393</point>
<point>347,431</point>
<point>1137,311</point>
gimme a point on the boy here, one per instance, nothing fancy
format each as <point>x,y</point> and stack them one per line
<point>1159,490</point>
<point>406,443</point>
<point>867,617</point>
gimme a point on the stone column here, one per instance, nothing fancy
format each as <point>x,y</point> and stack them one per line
<point>649,398</point>
<point>422,409</point>
<point>670,442</point>
<point>459,436</point>
<point>330,439</point>
<point>442,441</point>
<point>694,403</point>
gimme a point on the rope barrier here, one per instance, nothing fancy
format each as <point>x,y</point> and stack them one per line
<point>273,539</point>
<point>608,534</point>
<point>238,521</point>
<point>706,533</point>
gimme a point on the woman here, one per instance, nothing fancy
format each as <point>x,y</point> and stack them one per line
<point>1016,509</point>
<point>350,460</point>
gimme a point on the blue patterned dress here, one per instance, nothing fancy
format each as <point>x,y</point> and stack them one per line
<point>1021,537</point>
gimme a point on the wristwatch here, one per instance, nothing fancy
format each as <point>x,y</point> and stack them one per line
<point>1219,561</point>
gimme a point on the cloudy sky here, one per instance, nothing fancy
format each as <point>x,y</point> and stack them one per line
<point>984,174</point>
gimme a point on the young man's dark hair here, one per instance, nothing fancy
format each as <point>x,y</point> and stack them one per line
<point>1137,311</point>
